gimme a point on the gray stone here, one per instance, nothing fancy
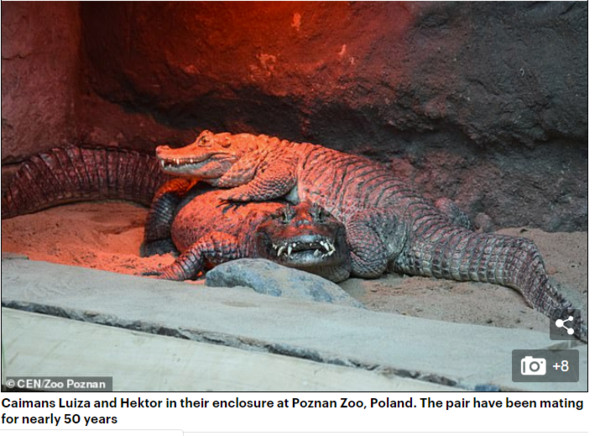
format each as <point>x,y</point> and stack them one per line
<point>267,277</point>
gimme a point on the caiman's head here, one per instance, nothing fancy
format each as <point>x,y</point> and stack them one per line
<point>209,157</point>
<point>304,237</point>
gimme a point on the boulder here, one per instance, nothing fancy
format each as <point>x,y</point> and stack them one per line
<point>267,277</point>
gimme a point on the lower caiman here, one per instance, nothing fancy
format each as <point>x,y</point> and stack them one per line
<point>185,217</point>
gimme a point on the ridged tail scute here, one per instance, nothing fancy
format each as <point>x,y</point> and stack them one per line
<point>73,174</point>
<point>440,249</point>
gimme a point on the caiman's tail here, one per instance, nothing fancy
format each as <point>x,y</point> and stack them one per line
<point>72,174</point>
<point>440,249</point>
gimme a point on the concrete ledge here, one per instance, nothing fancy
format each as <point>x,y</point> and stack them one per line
<point>456,355</point>
<point>41,345</point>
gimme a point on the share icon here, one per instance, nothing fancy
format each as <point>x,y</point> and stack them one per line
<point>560,323</point>
<point>563,328</point>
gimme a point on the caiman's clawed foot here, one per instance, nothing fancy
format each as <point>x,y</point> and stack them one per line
<point>170,272</point>
<point>228,205</point>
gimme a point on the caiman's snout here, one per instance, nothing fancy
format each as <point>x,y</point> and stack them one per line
<point>204,163</point>
<point>303,236</point>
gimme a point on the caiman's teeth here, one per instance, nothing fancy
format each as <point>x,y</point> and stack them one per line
<point>286,248</point>
<point>329,248</point>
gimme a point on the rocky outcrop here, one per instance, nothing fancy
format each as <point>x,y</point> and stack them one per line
<point>40,75</point>
<point>482,102</point>
<point>499,73</point>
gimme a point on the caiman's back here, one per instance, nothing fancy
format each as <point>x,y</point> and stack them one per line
<point>202,213</point>
<point>346,184</point>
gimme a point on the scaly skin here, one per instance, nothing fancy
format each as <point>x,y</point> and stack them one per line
<point>182,217</point>
<point>389,225</point>
<point>74,174</point>
<point>303,237</point>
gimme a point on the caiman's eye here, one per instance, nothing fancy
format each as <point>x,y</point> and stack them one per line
<point>204,139</point>
<point>318,213</point>
<point>284,215</point>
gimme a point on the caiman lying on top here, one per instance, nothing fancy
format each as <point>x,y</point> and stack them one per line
<point>388,224</point>
<point>183,217</point>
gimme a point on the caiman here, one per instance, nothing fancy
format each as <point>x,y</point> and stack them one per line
<point>186,217</point>
<point>389,225</point>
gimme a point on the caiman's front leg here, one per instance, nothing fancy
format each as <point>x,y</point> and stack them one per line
<point>366,233</point>
<point>452,211</point>
<point>157,232</point>
<point>270,181</point>
<point>214,248</point>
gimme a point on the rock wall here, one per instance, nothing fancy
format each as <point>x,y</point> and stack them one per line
<point>500,73</point>
<point>485,103</point>
<point>40,75</point>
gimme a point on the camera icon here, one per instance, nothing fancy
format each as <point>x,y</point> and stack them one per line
<point>533,366</point>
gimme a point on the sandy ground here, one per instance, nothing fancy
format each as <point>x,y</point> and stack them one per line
<point>108,235</point>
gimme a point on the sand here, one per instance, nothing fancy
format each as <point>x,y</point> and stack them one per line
<point>107,236</point>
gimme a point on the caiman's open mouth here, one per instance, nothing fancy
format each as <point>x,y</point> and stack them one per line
<point>304,236</point>
<point>304,250</point>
